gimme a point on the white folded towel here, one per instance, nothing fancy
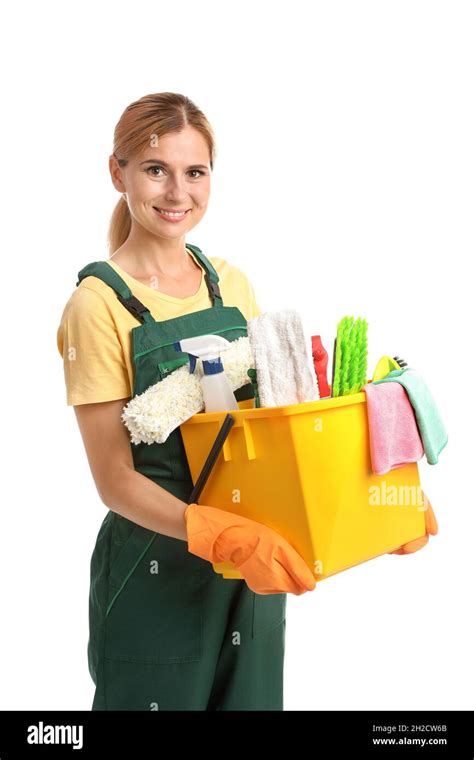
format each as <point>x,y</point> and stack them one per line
<point>284,364</point>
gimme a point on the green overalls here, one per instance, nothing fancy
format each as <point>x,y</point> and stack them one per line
<point>165,631</point>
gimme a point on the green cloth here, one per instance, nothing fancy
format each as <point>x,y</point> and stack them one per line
<point>431,427</point>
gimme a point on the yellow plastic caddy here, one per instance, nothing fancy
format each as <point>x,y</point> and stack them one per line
<point>305,471</point>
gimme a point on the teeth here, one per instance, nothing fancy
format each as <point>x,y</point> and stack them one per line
<point>172,213</point>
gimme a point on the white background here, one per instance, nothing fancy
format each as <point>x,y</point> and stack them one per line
<point>343,185</point>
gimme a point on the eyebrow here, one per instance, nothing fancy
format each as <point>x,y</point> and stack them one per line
<point>163,163</point>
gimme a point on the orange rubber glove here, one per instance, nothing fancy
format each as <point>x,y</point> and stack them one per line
<point>431,525</point>
<point>268,563</point>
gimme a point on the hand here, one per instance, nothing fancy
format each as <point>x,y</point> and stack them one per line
<point>431,526</point>
<point>268,563</point>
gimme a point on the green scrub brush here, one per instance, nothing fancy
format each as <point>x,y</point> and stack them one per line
<point>350,357</point>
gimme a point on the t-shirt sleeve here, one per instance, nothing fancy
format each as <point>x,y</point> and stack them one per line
<point>93,358</point>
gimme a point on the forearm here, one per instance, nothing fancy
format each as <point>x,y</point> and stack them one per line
<point>141,500</point>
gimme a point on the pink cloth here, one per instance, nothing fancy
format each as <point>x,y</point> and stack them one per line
<point>393,432</point>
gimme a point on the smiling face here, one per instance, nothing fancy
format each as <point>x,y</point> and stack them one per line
<point>168,186</point>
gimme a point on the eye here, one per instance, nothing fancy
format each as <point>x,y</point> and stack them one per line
<point>201,173</point>
<point>150,168</point>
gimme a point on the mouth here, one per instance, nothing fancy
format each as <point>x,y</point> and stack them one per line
<point>171,215</point>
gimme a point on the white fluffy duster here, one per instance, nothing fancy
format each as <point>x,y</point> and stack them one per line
<point>155,413</point>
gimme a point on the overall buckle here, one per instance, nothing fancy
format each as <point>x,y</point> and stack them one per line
<point>212,286</point>
<point>133,305</point>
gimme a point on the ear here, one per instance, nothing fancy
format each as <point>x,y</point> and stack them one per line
<point>116,174</point>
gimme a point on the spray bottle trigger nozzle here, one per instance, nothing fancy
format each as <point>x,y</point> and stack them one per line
<point>192,358</point>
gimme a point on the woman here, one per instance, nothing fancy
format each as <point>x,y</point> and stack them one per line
<point>166,631</point>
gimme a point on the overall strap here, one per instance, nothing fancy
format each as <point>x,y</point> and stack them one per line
<point>107,274</point>
<point>210,275</point>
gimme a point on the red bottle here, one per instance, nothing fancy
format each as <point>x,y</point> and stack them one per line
<point>320,361</point>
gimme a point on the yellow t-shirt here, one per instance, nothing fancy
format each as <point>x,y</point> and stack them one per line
<point>94,337</point>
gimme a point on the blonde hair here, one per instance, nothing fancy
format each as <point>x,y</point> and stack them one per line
<point>152,115</point>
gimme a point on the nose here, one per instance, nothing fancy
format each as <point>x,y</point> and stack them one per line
<point>175,188</point>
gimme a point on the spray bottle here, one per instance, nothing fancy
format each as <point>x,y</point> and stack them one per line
<point>216,388</point>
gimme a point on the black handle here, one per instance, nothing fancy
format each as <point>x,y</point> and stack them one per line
<point>211,459</point>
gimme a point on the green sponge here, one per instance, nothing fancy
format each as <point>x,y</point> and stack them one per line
<point>350,356</point>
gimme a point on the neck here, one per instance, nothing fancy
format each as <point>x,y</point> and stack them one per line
<point>148,254</point>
